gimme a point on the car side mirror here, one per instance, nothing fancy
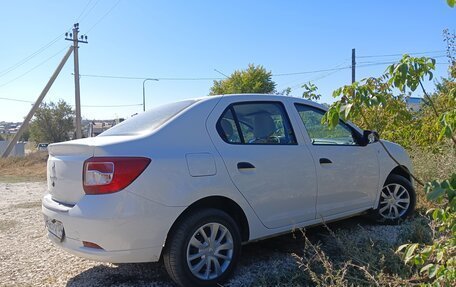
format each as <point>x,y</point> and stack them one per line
<point>370,137</point>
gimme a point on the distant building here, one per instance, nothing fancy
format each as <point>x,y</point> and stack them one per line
<point>414,103</point>
<point>18,149</point>
<point>9,127</point>
<point>96,127</point>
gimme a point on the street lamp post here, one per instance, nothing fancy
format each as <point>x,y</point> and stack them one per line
<point>144,91</point>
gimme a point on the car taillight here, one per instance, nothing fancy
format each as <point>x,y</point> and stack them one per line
<point>103,175</point>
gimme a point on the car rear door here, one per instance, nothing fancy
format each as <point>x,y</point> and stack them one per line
<point>347,172</point>
<point>265,159</point>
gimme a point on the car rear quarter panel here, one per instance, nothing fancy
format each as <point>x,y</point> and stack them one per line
<point>168,180</point>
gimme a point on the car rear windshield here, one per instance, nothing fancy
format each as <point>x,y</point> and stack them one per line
<point>148,121</point>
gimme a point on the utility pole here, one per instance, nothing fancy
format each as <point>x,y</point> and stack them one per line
<point>83,39</point>
<point>353,65</point>
<point>27,119</point>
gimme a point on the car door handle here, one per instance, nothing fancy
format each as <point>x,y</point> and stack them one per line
<point>325,160</point>
<point>244,165</point>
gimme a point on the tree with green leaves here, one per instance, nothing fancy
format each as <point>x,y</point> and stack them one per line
<point>437,260</point>
<point>310,92</point>
<point>254,79</point>
<point>52,122</point>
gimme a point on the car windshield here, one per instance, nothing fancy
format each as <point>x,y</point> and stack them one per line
<point>148,121</point>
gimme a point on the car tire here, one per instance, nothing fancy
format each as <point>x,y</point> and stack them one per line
<point>212,255</point>
<point>397,201</point>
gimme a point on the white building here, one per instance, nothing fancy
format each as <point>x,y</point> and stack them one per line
<point>18,150</point>
<point>414,103</point>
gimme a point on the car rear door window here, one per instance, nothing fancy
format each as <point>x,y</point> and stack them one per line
<point>256,123</point>
<point>227,128</point>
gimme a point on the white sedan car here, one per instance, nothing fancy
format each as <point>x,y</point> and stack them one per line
<point>189,182</point>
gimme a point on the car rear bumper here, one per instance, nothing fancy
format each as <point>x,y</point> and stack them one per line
<point>127,227</point>
<point>73,246</point>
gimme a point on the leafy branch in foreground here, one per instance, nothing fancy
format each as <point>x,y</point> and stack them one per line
<point>437,261</point>
<point>310,92</point>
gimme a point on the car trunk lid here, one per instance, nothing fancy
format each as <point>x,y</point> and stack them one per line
<point>65,168</point>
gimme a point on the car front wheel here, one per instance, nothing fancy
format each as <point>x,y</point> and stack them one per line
<point>203,248</point>
<point>397,200</point>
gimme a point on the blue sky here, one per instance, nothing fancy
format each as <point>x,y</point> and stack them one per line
<point>189,39</point>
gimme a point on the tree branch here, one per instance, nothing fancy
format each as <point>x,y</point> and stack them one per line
<point>431,103</point>
<point>365,119</point>
<point>399,164</point>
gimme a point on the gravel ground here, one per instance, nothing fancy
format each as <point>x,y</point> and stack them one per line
<point>28,258</point>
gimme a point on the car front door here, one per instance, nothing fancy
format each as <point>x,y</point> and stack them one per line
<point>347,172</point>
<point>274,172</point>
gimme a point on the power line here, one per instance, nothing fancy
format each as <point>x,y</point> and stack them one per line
<point>111,106</point>
<point>374,62</point>
<point>221,73</point>
<point>85,106</point>
<point>112,77</point>
<point>143,78</point>
<point>322,76</point>
<point>79,19</point>
<point>210,78</point>
<point>315,79</point>
<point>332,71</point>
<point>203,78</point>
<point>46,46</point>
<point>358,66</point>
<point>388,63</point>
<point>40,64</point>
<point>16,100</point>
<point>311,72</point>
<point>395,55</point>
<point>31,56</point>
<point>83,10</point>
<point>341,68</point>
<point>302,81</point>
<point>104,16</point>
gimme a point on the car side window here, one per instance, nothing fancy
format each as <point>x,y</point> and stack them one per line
<point>227,128</point>
<point>321,134</point>
<point>256,123</point>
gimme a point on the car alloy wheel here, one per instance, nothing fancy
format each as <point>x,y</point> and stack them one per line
<point>210,251</point>
<point>203,248</point>
<point>394,201</point>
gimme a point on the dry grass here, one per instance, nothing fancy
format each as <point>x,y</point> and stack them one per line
<point>352,252</point>
<point>430,166</point>
<point>32,167</point>
<point>367,257</point>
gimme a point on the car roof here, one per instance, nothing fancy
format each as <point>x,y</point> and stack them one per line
<point>272,97</point>
<point>263,97</point>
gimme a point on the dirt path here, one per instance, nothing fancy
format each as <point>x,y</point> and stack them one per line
<point>28,258</point>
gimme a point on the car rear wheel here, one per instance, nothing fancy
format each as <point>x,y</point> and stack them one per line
<point>203,249</point>
<point>397,200</point>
